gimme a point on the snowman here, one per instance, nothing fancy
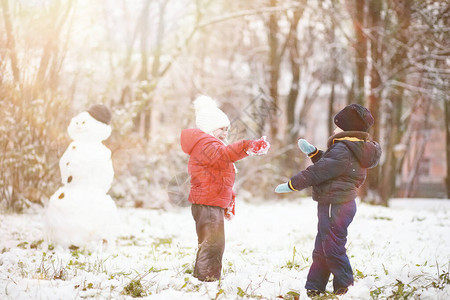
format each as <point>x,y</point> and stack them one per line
<point>80,212</point>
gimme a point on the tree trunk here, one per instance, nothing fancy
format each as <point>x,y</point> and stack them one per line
<point>357,11</point>
<point>50,64</point>
<point>292,98</point>
<point>330,108</point>
<point>333,78</point>
<point>295,84</point>
<point>143,75</point>
<point>423,139</point>
<point>447,135</point>
<point>374,97</point>
<point>392,138</point>
<point>159,40</point>
<point>11,43</point>
<point>274,70</point>
<point>395,102</point>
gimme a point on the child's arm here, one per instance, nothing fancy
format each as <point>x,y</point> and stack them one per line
<point>310,150</point>
<point>217,152</point>
<point>312,153</point>
<point>327,168</point>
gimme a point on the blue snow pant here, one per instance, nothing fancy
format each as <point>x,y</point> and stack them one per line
<point>329,255</point>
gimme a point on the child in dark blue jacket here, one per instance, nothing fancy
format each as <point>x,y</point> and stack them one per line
<point>335,177</point>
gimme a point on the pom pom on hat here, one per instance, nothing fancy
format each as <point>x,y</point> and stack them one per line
<point>101,113</point>
<point>208,117</point>
<point>354,117</point>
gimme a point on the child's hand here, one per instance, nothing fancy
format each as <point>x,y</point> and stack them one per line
<point>306,147</point>
<point>229,212</point>
<point>258,147</point>
<point>283,188</point>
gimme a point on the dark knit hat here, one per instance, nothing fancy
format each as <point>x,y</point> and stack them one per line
<point>354,117</point>
<point>101,113</point>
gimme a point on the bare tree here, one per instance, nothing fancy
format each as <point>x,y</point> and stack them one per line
<point>11,43</point>
<point>394,101</point>
<point>275,57</point>
<point>447,138</point>
<point>295,62</point>
<point>53,56</point>
<point>357,9</point>
<point>374,99</point>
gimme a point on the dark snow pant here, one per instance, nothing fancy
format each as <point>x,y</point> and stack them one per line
<point>211,241</point>
<point>329,255</point>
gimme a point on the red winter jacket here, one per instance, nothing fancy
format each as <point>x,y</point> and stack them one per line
<point>211,167</point>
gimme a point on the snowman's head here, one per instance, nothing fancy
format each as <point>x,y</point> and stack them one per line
<point>85,128</point>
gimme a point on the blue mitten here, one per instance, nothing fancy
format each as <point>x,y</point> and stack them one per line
<point>283,188</point>
<point>306,147</point>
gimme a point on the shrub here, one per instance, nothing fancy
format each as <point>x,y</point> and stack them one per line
<point>31,141</point>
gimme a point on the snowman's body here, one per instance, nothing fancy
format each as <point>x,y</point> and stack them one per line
<point>81,212</point>
<point>87,164</point>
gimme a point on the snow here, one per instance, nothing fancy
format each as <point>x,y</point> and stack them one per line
<point>267,254</point>
<point>259,147</point>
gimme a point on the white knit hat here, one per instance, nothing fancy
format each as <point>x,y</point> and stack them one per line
<point>208,117</point>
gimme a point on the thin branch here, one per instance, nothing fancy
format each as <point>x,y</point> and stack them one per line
<point>410,87</point>
<point>252,12</point>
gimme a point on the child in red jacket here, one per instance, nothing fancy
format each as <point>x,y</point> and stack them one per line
<point>212,170</point>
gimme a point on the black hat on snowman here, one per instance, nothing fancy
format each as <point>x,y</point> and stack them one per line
<point>101,113</point>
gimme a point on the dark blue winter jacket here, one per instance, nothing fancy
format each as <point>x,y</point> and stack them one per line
<point>341,170</point>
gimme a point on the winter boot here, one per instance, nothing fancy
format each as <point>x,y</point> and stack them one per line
<point>312,294</point>
<point>341,291</point>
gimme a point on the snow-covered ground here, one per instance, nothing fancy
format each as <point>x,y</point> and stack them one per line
<point>403,250</point>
